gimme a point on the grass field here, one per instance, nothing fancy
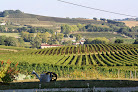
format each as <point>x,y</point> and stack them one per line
<point>99,34</point>
<point>126,40</point>
<point>16,35</point>
<point>13,48</point>
<point>131,23</point>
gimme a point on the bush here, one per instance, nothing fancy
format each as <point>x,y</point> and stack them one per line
<point>6,72</point>
<point>136,41</point>
<point>119,41</point>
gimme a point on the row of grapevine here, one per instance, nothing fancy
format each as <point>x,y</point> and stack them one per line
<point>86,49</point>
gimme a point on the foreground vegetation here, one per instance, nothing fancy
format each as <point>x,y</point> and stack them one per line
<point>87,61</point>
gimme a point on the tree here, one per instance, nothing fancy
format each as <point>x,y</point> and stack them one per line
<point>94,18</point>
<point>69,42</point>
<point>11,41</point>
<point>5,13</point>
<point>74,28</point>
<point>59,36</point>
<point>66,29</point>
<point>21,42</point>
<point>2,39</point>
<point>136,41</point>
<point>24,35</point>
<point>36,43</point>
<point>45,37</point>
<point>78,37</point>
<point>118,41</point>
<point>71,36</point>
<point>99,40</point>
<point>103,19</point>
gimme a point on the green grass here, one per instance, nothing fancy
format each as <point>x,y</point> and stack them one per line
<point>99,34</point>
<point>126,40</point>
<point>16,35</point>
<point>13,48</point>
<point>27,44</point>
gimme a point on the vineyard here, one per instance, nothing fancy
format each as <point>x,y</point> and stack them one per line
<point>98,55</point>
<point>108,60</point>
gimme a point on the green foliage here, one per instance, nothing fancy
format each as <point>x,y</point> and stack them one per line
<point>2,39</point>
<point>104,58</point>
<point>7,72</point>
<point>78,37</point>
<point>136,41</point>
<point>119,41</point>
<point>11,41</point>
<point>7,12</point>
<point>66,29</point>
<point>36,43</point>
<point>100,40</point>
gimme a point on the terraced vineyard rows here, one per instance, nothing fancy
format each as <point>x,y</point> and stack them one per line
<point>119,59</point>
<point>92,48</point>
<point>83,55</point>
<point>92,55</point>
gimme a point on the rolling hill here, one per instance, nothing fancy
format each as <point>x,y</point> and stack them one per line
<point>19,17</point>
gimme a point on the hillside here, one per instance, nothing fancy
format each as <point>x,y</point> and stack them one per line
<point>18,17</point>
<point>131,23</point>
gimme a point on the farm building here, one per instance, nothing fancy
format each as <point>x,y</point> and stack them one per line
<point>49,46</point>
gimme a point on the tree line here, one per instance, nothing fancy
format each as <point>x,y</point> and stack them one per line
<point>6,29</point>
<point>7,12</point>
<point>67,29</point>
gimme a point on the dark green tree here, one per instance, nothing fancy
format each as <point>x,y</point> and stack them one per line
<point>36,43</point>
<point>119,41</point>
<point>136,41</point>
<point>78,37</point>
<point>95,18</point>
<point>21,42</point>
<point>11,41</point>
<point>2,39</point>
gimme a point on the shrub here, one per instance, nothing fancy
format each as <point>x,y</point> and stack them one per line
<point>7,72</point>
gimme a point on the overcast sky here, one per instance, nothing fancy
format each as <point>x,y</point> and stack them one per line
<point>58,9</point>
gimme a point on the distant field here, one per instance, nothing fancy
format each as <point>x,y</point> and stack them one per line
<point>126,41</point>
<point>99,34</point>
<point>2,47</point>
<point>39,25</point>
<point>16,35</point>
<point>131,23</point>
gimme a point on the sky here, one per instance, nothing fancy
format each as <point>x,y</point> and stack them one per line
<point>55,8</point>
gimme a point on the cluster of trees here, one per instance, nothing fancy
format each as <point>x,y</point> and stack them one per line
<point>66,29</point>
<point>94,28</point>
<point>37,39</point>
<point>5,29</point>
<point>99,40</point>
<point>108,21</point>
<point>7,12</point>
<point>11,41</point>
<point>127,31</point>
<point>119,41</point>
